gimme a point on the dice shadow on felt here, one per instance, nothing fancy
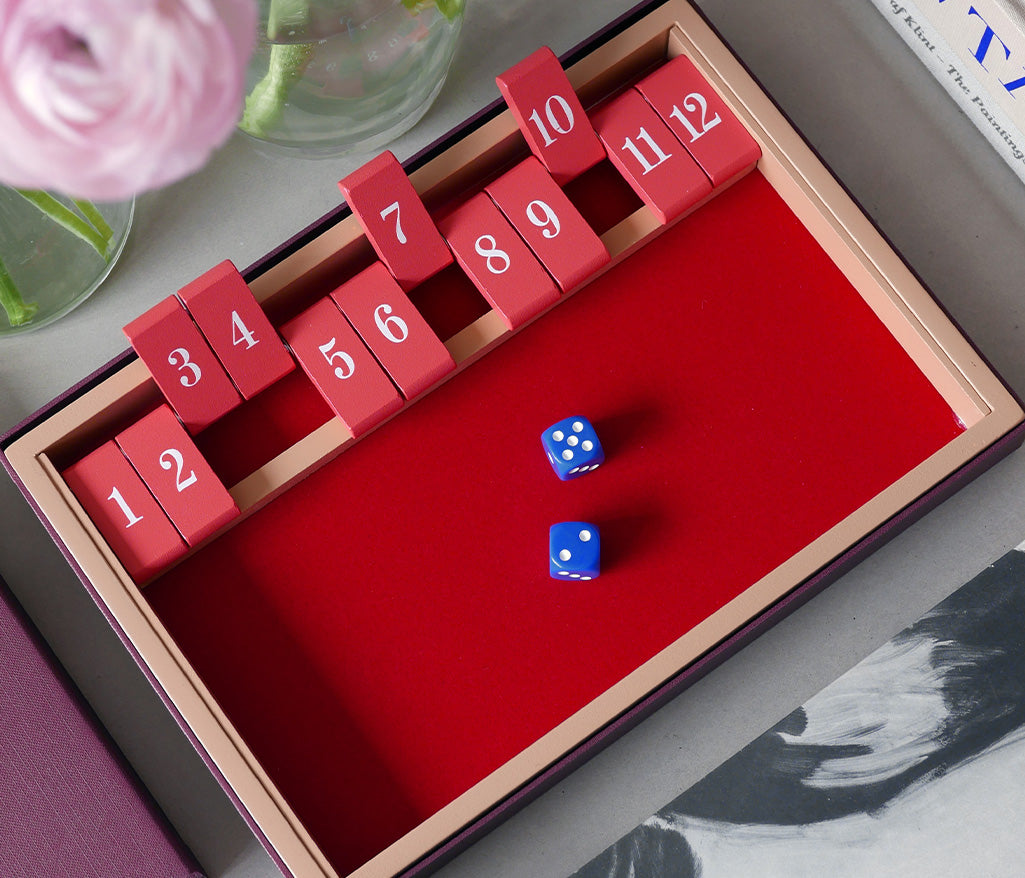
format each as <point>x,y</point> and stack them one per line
<point>621,431</point>
<point>628,536</point>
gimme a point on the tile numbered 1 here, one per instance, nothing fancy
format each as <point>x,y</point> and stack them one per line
<point>649,156</point>
<point>699,117</point>
<point>394,330</point>
<point>176,474</point>
<point>181,362</point>
<point>548,111</point>
<point>124,512</point>
<point>497,260</point>
<point>395,220</point>
<point>234,324</point>
<point>547,220</point>
<point>341,367</point>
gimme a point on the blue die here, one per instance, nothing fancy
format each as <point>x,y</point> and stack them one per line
<point>574,550</point>
<point>572,447</point>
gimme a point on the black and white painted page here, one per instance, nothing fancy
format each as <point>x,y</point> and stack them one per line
<point>911,764</point>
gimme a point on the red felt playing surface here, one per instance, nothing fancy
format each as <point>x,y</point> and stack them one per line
<point>386,633</point>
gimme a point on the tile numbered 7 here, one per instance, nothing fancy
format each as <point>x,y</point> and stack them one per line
<point>395,220</point>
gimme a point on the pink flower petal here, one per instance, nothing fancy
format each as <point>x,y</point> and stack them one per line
<point>104,99</point>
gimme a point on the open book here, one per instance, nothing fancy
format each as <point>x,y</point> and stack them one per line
<point>976,50</point>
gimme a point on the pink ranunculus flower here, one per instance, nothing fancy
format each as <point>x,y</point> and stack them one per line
<point>103,99</point>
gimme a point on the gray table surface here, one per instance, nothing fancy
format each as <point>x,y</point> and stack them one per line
<point>895,139</point>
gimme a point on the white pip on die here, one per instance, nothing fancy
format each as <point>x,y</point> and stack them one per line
<point>572,447</point>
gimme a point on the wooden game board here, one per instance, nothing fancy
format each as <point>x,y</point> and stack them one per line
<point>371,654</point>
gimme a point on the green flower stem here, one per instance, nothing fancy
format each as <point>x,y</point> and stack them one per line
<point>281,14</point>
<point>68,219</point>
<point>89,211</point>
<point>266,102</point>
<point>18,310</point>
<point>449,8</point>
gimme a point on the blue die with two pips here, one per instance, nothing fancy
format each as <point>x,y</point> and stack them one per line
<point>574,550</point>
<point>572,447</point>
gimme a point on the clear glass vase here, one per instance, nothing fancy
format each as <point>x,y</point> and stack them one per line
<point>54,252</point>
<point>336,76</point>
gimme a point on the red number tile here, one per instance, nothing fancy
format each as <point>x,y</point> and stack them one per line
<point>176,474</point>
<point>234,324</point>
<point>546,219</point>
<point>650,157</point>
<point>550,115</point>
<point>720,144</point>
<point>124,512</point>
<point>341,367</point>
<point>394,330</point>
<point>395,220</point>
<point>185,369</point>
<point>497,261</point>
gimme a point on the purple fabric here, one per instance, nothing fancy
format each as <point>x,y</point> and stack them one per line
<point>70,806</point>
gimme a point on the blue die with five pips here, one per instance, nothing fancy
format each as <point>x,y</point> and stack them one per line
<point>572,447</point>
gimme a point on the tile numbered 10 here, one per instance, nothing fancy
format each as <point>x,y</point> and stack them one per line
<point>551,118</point>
